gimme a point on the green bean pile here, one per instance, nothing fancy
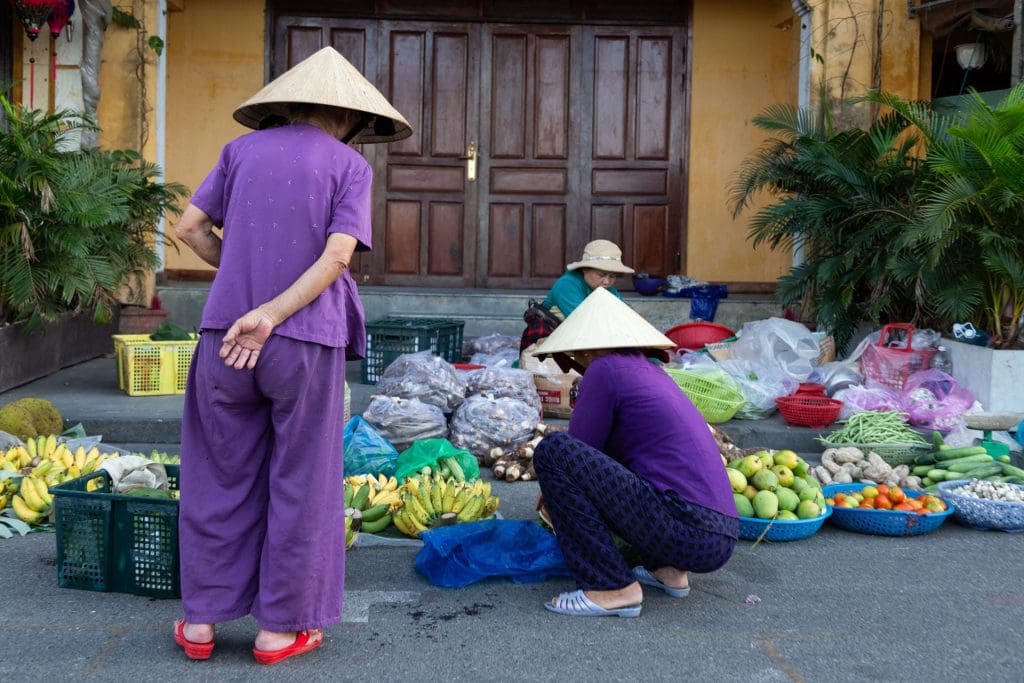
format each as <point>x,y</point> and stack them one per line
<point>871,427</point>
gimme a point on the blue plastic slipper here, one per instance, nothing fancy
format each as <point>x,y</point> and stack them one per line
<point>646,578</point>
<point>577,604</point>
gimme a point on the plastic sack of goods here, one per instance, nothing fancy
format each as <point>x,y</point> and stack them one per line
<point>482,424</point>
<point>403,421</point>
<point>423,376</point>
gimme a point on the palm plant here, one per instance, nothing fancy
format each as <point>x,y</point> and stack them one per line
<point>970,230</point>
<point>843,198</point>
<point>73,224</point>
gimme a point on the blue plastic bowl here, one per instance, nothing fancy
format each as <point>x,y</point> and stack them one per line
<point>648,286</point>
<point>751,528</point>
<point>884,522</point>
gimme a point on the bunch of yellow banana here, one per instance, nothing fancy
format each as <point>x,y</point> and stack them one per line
<point>435,501</point>
<point>368,501</point>
<point>54,462</point>
<point>33,501</point>
<point>8,487</point>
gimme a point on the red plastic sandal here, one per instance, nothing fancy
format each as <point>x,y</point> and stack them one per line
<point>192,650</point>
<point>304,642</point>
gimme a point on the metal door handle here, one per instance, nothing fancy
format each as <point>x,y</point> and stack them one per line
<point>470,160</point>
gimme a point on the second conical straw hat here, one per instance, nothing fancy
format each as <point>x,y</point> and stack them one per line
<point>325,77</point>
<point>603,321</point>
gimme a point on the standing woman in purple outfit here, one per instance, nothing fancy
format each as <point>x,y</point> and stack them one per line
<point>261,521</point>
<point>638,462</point>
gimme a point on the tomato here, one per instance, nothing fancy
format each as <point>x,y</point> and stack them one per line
<point>869,492</point>
<point>883,489</point>
<point>896,494</point>
<point>904,507</point>
<point>866,506</point>
<point>839,498</point>
<point>882,502</point>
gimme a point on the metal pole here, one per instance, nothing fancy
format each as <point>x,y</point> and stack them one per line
<point>1018,35</point>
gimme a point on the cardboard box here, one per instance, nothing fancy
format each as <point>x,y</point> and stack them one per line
<point>557,395</point>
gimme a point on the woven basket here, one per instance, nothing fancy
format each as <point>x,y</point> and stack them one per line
<point>809,411</point>
<point>980,513</point>
<point>779,530</point>
<point>716,401</point>
<point>894,454</point>
<point>883,522</point>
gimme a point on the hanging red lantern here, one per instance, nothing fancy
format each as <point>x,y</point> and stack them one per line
<point>60,16</point>
<point>33,14</point>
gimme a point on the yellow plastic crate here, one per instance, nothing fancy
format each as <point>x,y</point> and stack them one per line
<point>152,368</point>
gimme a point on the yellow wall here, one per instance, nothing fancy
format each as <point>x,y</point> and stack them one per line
<point>215,62</point>
<point>745,57</point>
<point>126,110</point>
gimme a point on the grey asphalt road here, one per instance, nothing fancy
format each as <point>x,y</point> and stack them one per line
<point>836,607</point>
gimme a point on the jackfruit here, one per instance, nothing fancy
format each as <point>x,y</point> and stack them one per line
<point>14,419</point>
<point>45,416</point>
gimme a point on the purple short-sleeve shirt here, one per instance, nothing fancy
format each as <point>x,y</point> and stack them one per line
<point>630,409</point>
<point>278,194</point>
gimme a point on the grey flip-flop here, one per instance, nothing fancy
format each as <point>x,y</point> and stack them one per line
<point>577,604</point>
<point>646,578</point>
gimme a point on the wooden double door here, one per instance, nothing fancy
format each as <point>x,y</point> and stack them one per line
<point>529,141</point>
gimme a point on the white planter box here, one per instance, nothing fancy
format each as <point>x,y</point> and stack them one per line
<point>994,376</point>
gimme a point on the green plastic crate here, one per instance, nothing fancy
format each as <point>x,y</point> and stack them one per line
<point>388,339</point>
<point>116,543</point>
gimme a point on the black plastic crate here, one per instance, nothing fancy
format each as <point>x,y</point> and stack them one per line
<point>388,339</point>
<point>116,543</point>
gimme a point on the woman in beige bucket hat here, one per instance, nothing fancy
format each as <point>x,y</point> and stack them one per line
<point>261,521</point>
<point>638,461</point>
<point>599,267</point>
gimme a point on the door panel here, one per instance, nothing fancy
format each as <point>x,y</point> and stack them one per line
<point>635,184</point>
<point>580,133</point>
<point>527,186</point>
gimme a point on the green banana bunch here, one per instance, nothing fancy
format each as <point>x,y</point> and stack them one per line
<point>368,502</point>
<point>446,468</point>
<point>164,458</point>
<point>435,501</point>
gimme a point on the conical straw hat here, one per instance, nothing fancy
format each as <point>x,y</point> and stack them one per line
<point>327,78</point>
<point>603,321</point>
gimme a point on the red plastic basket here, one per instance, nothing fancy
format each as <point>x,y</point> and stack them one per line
<point>892,358</point>
<point>693,336</point>
<point>809,411</point>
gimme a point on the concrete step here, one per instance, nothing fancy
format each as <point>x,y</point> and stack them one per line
<point>485,311</point>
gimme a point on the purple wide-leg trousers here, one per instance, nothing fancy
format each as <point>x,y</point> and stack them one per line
<point>262,520</point>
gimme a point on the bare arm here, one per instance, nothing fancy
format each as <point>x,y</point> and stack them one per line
<point>196,230</point>
<point>245,339</point>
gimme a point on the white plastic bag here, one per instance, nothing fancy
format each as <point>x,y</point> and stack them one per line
<point>779,343</point>
<point>423,376</point>
<point>760,385</point>
<point>404,421</point>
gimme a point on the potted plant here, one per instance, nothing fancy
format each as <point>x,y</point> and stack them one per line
<point>969,231</point>
<point>840,197</point>
<point>74,225</point>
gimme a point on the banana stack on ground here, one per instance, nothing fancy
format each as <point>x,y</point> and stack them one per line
<point>44,463</point>
<point>434,501</point>
<point>350,534</point>
<point>368,501</point>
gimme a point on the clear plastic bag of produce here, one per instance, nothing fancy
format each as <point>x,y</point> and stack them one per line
<point>500,382</point>
<point>504,358</point>
<point>779,343</point>
<point>859,399</point>
<point>760,386</point>
<point>403,421</point>
<point>494,344</point>
<point>463,554</point>
<point>427,452</point>
<point>482,424</point>
<point>366,451</point>
<point>423,376</point>
<point>934,400</point>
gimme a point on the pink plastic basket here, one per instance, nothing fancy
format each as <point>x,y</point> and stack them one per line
<point>892,359</point>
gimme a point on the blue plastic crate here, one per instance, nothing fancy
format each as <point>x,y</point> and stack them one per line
<point>779,530</point>
<point>884,522</point>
